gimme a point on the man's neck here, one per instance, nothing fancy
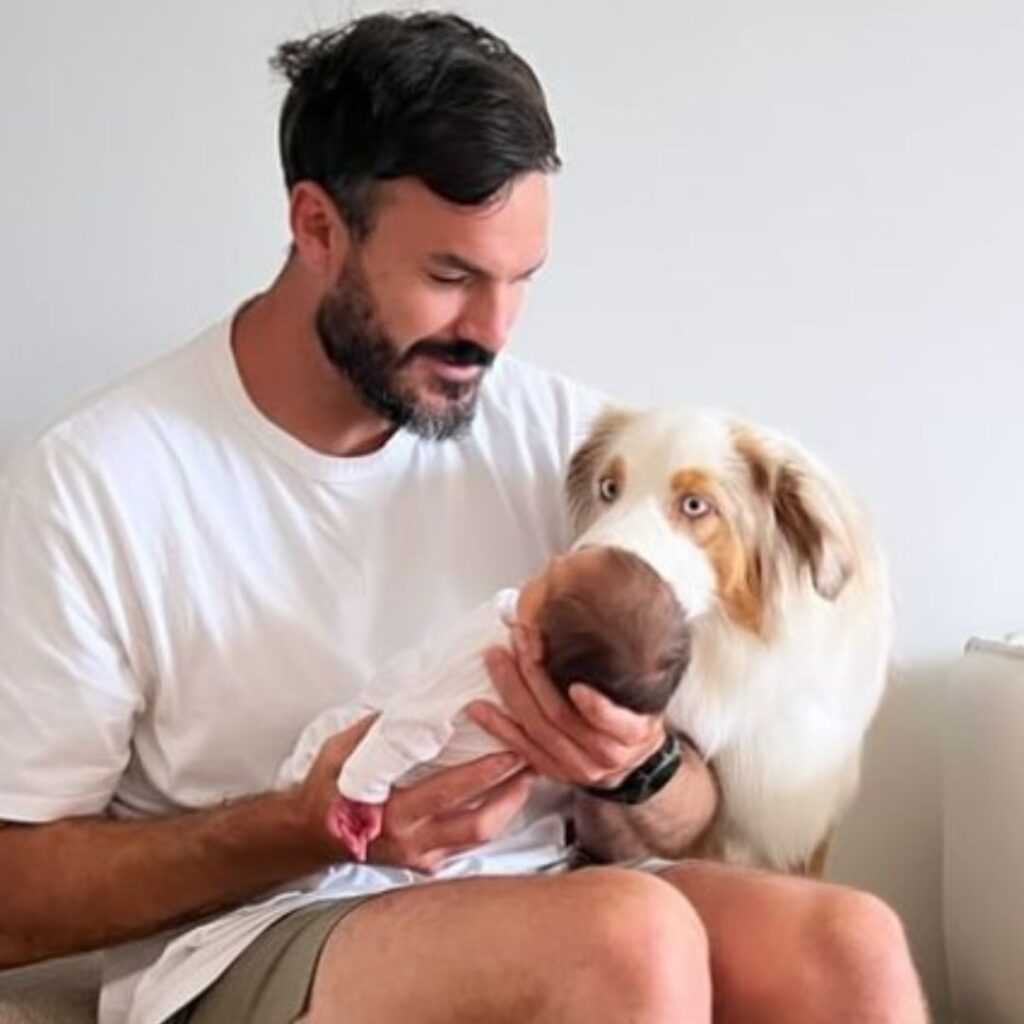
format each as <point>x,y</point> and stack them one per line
<point>291,381</point>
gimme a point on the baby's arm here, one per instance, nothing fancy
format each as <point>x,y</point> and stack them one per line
<point>419,706</point>
<point>356,825</point>
<point>328,723</point>
<point>396,743</point>
<point>401,739</point>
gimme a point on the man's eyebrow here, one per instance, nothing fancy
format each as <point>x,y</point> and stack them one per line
<point>452,261</point>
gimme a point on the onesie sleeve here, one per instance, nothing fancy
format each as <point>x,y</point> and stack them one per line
<point>397,676</point>
<point>417,708</point>
<point>395,744</point>
<point>327,724</point>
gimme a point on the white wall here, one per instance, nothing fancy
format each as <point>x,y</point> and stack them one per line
<point>811,211</point>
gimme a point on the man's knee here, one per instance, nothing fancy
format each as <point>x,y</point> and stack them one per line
<point>862,951</point>
<point>644,944</point>
<point>620,898</point>
<point>597,947</point>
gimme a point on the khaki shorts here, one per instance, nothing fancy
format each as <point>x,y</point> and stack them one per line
<point>271,980</point>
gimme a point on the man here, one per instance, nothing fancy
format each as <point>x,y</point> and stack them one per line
<point>229,541</point>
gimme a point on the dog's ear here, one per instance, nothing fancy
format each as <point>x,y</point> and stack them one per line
<point>807,509</point>
<point>807,514</point>
<point>586,462</point>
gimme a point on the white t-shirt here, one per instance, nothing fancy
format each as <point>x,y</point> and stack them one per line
<point>420,696</point>
<point>184,586</point>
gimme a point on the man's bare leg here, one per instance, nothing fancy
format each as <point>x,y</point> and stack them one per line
<point>786,950</point>
<point>600,946</point>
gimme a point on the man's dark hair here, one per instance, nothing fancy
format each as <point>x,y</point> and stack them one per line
<point>428,95</point>
<point>620,628</point>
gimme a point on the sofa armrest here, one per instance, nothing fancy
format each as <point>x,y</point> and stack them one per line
<point>984,833</point>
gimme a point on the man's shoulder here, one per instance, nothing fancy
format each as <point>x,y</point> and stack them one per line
<point>114,429</point>
<point>540,400</point>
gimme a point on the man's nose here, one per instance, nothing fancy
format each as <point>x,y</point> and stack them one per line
<point>488,316</point>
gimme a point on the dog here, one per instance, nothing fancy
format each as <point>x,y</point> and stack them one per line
<point>786,588</point>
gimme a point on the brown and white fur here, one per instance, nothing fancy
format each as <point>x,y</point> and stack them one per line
<point>787,591</point>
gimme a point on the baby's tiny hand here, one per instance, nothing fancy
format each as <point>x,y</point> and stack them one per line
<point>356,824</point>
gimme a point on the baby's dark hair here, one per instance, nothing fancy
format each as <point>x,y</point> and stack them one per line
<point>618,626</point>
<point>428,95</point>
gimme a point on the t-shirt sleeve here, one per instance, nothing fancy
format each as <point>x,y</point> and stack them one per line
<point>68,697</point>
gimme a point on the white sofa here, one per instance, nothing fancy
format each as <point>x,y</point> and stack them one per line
<point>983,871</point>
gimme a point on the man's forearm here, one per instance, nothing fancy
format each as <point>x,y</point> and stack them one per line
<point>81,883</point>
<point>666,825</point>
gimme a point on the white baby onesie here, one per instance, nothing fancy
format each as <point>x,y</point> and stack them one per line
<point>421,695</point>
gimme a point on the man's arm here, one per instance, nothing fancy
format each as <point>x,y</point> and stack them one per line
<point>666,825</point>
<point>80,883</point>
<point>77,884</point>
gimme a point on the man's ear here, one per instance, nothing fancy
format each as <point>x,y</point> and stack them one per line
<point>806,508</point>
<point>319,234</point>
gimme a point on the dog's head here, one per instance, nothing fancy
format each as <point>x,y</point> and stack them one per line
<point>736,517</point>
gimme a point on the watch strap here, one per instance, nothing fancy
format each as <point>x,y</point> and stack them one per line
<point>647,778</point>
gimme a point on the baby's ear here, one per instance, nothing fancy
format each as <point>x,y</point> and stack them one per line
<point>532,642</point>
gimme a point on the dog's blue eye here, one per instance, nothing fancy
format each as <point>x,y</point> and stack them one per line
<point>608,489</point>
<point>693,506</point>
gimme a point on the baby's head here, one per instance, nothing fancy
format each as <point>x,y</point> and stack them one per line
<point>606,618</point>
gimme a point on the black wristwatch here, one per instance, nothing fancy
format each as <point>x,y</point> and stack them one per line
<point>646,779</point>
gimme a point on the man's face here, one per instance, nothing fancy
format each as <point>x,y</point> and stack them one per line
<point>423,305</point>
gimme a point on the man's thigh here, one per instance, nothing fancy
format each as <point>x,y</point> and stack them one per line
<point>513,949</point>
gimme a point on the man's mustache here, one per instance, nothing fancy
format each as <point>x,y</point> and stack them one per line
<point>457,353</point>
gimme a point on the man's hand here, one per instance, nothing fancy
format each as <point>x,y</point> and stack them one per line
<point>586,741</point>
<point>424,824</point>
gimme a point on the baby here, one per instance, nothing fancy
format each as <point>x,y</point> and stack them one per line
<point>604,617</point>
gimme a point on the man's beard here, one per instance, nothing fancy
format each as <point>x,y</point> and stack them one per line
<point>357,345</point>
